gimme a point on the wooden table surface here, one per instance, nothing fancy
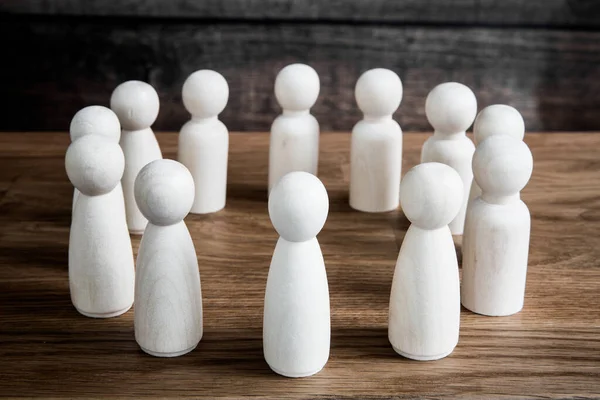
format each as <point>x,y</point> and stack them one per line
<point>550,349</point>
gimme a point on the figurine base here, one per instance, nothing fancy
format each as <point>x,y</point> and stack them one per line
<point>422,358</point>
<point>372,211</point>
<point>505,314</point>
<point>201,211</point>
<point>168,354</point>
<point>294,374</point>
<point>104,315</point>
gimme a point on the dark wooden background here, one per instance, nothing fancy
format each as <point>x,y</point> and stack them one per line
<point>541,56</point>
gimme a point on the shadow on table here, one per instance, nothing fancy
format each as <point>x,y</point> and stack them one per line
<point>357,343</point>
<point>247,192</point>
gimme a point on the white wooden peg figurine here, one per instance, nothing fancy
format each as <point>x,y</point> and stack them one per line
<point>497,119</point>
<point>376,150</point>
<point>204,140</point>
<point>496,239</point>
<point>101,273</point>
<point>136,104</point>
<point>296,324</point>
<point>168,299</point>
<point>424,314</point>
<point>294,142</point>
<point>95,120</point>
<point>451,109</point>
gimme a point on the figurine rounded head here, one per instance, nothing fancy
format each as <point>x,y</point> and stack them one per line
<point>205,93</point>
<point>498,119</point>
<point>164,192</point>
<point>136,104</point>
<point>451,108</point>
<point>94,164</point>
<point>297,87</point>
<point>95,120</point>
<point>502,165</point>
<point>378,92</point>
<point>298,206</point>
<point>431,195</point>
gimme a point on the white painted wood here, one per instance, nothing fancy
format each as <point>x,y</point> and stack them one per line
<point>451,109</point>
<point>101,273</point>
<point>168,296</point>
<point>497,119</point>
<point>294,140</point>
<point>296,324</point>
<point>497,230</point>
<point>204,140</point>
<point>376,148</point>
<point>94,120</point>
<point>424,313</point>
<point>136,104</point>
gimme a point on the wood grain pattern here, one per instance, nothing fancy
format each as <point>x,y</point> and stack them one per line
<point>580,13</point>
<point>551,349</point>
<point>550,76</point>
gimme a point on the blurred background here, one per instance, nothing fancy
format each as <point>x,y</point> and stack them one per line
<point>540,56</point>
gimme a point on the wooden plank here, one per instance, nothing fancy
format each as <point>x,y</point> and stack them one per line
<point>579,13</point>
<point>549,350</point>
<point>551,76</point>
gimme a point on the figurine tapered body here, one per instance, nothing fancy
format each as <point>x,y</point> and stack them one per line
<point>294,139</point>
<point>376,149</point>
<point>424,313</point>
<point>497,119</point>
<point>451,108</point>
<point>296,324</point>
<point>95,120</point>
<point>136,104</point>
<point>168,297</point>
<point>204,140</point>
<point>497,230</point>
<point>101,273</point>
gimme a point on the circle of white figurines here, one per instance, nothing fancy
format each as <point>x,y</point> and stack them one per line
<point>205,94</point>
<point>297,87</point>
<point>378,93</point>
<point>498,119</point>
<point>95,120</point>
<point>431,195</point>
<point>298,206</point>
<point>451,108</point>
<point>94,165</point>
<point>502,166</point>
<point>164,192</point>
<point>136,104</point>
